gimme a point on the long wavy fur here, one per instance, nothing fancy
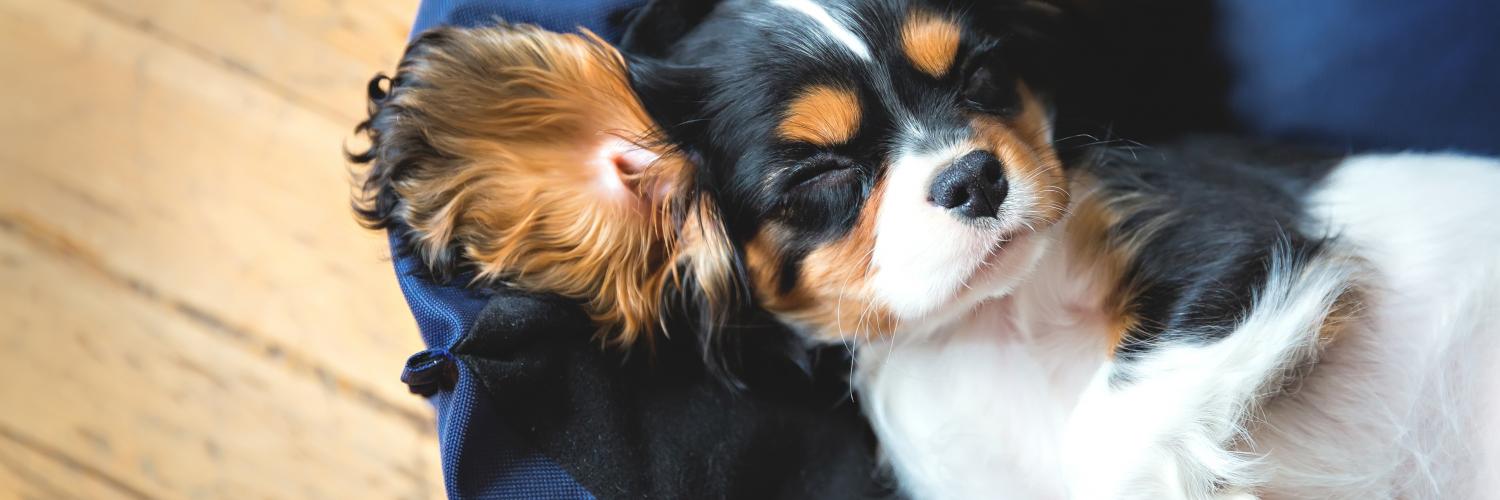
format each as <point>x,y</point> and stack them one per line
<point>484,155</point>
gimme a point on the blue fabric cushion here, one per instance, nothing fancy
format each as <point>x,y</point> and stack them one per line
<point>1362,74</point>
<point>482,459</point>
<point>555,15</point>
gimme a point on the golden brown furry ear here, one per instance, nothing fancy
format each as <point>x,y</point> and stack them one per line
<point>524,156</point>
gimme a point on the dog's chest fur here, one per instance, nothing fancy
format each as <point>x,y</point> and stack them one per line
<point>1010,372</point>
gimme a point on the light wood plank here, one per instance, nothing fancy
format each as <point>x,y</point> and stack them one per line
<point>318,52</point>
<point>187,308</point>
<point>27,472</point>
<point>135,400</point>
<point>201,188</point>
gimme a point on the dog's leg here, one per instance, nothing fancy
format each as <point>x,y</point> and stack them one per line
<point>1162,424</point>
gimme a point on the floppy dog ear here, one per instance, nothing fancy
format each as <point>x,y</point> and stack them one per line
<point>524,156</point>
<point>672,91</point>
<point>1034,34</point>
<point>673,95</point>
<point>651,29</point>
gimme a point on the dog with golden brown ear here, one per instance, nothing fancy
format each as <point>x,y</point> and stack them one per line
<point>523,156</point>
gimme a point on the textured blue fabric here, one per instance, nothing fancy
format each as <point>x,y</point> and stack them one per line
<point>481,458</point>
<point>442,312</point>
<point>555,15</point>
<point>1363,74</point>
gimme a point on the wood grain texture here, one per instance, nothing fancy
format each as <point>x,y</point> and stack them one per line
<point>187,308</point>
<point>315,53</point>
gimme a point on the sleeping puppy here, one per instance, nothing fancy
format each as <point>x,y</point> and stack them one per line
<point>1213,320</point>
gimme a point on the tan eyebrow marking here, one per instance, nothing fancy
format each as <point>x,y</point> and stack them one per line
<point>821,115</point>
<point>930,42</point>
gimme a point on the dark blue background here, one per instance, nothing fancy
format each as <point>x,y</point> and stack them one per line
<point>1383,74</point>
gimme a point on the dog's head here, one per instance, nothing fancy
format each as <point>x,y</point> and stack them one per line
<point>861,169</point>
<point>880,163</point>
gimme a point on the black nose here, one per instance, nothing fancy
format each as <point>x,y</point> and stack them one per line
<point>973,186</point>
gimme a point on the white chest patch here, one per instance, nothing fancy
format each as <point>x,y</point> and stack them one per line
<point>978,411</point>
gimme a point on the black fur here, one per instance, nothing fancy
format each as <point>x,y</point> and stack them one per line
<point>719,87</point>
<point>1220,209</point>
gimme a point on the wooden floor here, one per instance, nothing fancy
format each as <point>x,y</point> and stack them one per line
<point>187,308</point>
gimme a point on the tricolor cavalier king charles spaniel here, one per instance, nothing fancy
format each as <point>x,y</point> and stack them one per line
<point>1209,320</point>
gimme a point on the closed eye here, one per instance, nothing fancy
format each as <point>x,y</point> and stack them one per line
<point>823,194</point>
<point>822,170</point>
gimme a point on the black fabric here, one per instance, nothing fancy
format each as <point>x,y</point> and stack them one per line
<point>659,424</point>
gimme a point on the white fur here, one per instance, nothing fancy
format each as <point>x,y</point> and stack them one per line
<point>832,27</point>
<point>977,411</point>
<point>929,265</point>
<point>1406,407</point>
<point>1166,432</point>
<point>922,254</point>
